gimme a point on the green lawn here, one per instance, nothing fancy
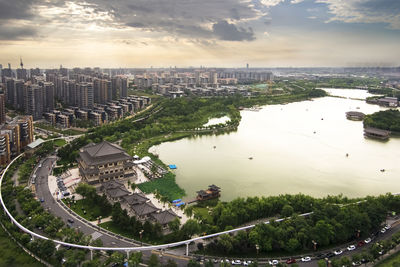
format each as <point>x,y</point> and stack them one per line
<point>203,214</point>
<point>393,260</point>
<point>59,142</point>
<point>110,226</point>
<point>166,186</point>
<point>92,211</point>
<point>12,255</point>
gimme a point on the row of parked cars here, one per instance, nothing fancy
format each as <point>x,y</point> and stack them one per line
<point>336,252</point>
<point>62,187</point>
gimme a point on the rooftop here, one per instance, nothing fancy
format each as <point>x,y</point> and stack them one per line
<point>104,152</point>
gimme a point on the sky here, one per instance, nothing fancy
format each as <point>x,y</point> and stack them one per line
<point>211,33</point>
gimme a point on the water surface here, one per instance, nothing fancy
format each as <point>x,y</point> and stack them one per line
<point>295,148</point>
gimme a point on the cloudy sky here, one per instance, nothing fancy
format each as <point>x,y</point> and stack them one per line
<point>221,33</point>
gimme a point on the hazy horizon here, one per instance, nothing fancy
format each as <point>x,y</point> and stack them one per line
<point>224,33</point>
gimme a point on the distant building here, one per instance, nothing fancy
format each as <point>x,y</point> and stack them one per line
<point>5,153</point>
<point>388,102</point>
<point>103,162</point>
<point>2,108</point>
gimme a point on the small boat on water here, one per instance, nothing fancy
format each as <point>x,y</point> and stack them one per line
<point>382,170</point>
<point>250,158</point>
<point>215,147</point>
<point>347,154</point>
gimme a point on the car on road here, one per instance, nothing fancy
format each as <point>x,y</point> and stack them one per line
<point>387,226</point>
<point>330,255</point>
<point>361,243</point>
<point>383,230</point>
<point>236,262</point>
<point>70,220</point>
<point>338,252</point>
<point>357,263</point>
<point>290,261</point>
<point>273,262</point>
<point>368,240</point>
<point>351,247</point>
<point>42,200</point>
<point>306,259</point>
<point>40,165</point>
<point>247,263</point>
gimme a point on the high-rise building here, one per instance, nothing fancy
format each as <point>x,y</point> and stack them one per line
<point>5,154</point>
<point>48,96</point>
<point>19,96</point>
<point>7,72</point>
<point>26,130</point>
<point>33,100</point>
<point>2,108</point>
<point>124,87</point>
<point>14,137</point>
<point>85,95</point>
<point>35,72</point>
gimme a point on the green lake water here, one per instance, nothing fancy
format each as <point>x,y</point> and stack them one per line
<point>295,148</point>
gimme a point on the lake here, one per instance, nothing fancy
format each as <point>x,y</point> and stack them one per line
<point>295,148</point>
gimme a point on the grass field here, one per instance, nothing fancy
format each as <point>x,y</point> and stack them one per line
<point>92,212</point>
<point>59,142</point>
<point>166,186</point>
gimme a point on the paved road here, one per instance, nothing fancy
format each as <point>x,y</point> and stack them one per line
<point>43,192</point>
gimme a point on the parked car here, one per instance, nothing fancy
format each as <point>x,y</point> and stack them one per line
<point>70,220</point>
<point>330,255</point>
<point>236,262</point>
<point>290,261</point>
<point>273,262</point>
<point>361,243</point>
<point>387,226</point>
<point>351,247</point>
<point>338,252</point>
<point>383,230</point>
<point>306,259</point>
<point>368,240</point>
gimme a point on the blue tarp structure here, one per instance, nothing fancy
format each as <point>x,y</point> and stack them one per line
<point>180,204</point>
<point>176,200</point>
<point>172,166</point>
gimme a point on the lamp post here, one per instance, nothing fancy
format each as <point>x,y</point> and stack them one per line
<point>141,234</point>
<point>314,244</point>
<point>257,248</point>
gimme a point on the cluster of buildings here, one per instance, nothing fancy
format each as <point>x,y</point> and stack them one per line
<point>15,136</point>
<point>391,102</point>
<point>99,113</point>
<point>199,82</point>
<point>36,92</point>
<point>107,166</point>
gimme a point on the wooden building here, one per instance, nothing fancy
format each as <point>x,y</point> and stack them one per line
<point>376,133</point>
<point>212,192</point>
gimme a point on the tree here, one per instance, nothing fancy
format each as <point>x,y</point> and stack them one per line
<point>86,191</point>
<point>171,263</point>
<point>190,228</point>
<point>174,225</point>
<point>193,263</point>
<point>135,259</point>
<point>287,211</point>
<point>117,258</point>
<point>154,261</point>
<point>91,263</point>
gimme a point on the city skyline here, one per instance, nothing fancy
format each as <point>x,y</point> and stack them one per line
<point>225,33</point>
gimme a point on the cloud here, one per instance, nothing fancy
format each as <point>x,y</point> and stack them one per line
<point>11,9</point>
<point>229,32</point>
<point>296,1</point>
<point>16,33</point>
<point>365,11</point>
